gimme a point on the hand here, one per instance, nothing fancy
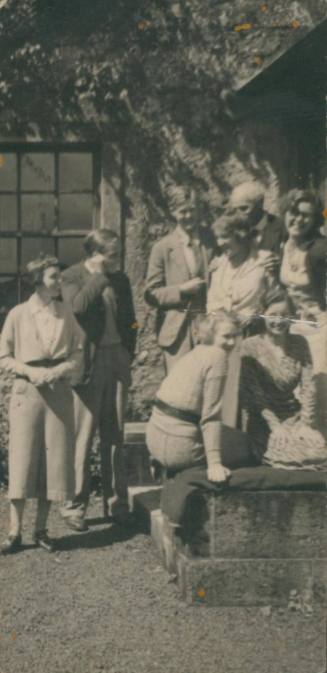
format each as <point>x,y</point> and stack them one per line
<point>96,264</point>
<point>193,286</point>
<point>37,375</point>
<point>218,473</point>
<point>53,374</point>
<point>271,263</point>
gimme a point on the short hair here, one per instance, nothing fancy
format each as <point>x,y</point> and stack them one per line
<point>251,190</point>
<point>98,239</point>
<point>178,195</point>
<point>231,225</point>
<point>295,196</point>
<point>209,324</point>
<point>36,268</point>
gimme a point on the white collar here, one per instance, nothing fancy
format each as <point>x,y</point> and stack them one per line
<point>184,237</point>
<point>36,305</point>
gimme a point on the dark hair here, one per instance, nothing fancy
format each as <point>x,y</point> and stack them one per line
<point>36,268</point>
<point>276,295</point>
<point>98,239</point>
<point>295,196</point>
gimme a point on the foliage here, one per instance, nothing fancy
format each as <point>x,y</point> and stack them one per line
<point>144,74</point>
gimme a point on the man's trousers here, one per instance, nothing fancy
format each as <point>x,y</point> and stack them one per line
<point>95,406</point>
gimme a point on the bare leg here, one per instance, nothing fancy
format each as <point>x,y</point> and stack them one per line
<point>43,508</point>
<point>16,516</point>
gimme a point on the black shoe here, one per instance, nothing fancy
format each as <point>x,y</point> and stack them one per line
<point>76,523</point>
<point>12,545</point>
<point>41,539</point>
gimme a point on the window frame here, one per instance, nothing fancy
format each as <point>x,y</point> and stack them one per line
<point>56,234</point>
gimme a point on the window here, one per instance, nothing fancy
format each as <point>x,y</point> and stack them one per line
<point>48,202</point>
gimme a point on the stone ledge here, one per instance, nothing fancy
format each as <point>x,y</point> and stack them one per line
<point>252,582</point>
<point>261,524</point>
<point>237,573</point>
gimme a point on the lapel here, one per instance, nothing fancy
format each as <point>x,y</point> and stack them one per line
<point>176,254</point>
<point>33,328</point>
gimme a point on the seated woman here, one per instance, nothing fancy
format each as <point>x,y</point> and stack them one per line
<point>41,345</point>
<point>239,278</point>
<point>278,393</point>
<point>185,427</point>
<point>304,257</point>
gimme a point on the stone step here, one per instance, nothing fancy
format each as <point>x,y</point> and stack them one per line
<point>137,454</point>
<point>261,524</point>
<point>237,557</point>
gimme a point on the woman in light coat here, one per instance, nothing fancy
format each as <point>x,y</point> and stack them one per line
<point>41,346</point>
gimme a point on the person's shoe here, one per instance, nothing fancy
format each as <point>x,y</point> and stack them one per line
<point>41,539</point>
<point>12,545</point>
<point>76,523</point>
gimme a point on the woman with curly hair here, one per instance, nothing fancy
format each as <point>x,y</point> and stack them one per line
<point>41,346</point>
<point>278,394</point>
<point>304,256</point>
<point>239,276</point>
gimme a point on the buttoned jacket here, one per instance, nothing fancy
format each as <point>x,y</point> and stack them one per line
<point>167,271</point>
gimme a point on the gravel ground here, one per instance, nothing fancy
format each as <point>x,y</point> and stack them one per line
<point>103,603</point>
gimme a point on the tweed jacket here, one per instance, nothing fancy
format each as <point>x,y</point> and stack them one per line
<point>83,291</point>
<point>167,271</point>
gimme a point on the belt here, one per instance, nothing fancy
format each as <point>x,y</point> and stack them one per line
<point>181,414</point>
<point>46,362</point>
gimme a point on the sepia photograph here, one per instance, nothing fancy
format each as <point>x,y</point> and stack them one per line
<point>163,336</point>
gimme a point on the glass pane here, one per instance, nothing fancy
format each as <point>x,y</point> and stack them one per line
<point>75,211</point>
<point>8,172</point>
<point>38,212</point>
<point>8,255</point>
<point>38,172</point>
<point>8,213</point>
<point>75,172</point>
<point>8,296</point>
<point>31,248</point>
<point>70,251</point>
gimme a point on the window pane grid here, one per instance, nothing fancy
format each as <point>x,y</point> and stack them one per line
<point>35,217</point>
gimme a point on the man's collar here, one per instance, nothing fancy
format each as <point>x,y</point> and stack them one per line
<point>184,236</point>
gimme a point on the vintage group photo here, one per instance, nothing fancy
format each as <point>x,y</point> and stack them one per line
<point>163,337</point>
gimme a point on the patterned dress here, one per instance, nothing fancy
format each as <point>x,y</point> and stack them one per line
<point>276,381</point>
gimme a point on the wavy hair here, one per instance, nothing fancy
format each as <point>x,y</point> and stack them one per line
<point>36,268</point>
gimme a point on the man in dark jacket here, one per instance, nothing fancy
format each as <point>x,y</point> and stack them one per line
<point>102,302</point>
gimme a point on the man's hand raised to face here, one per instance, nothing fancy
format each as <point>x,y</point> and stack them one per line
<point>97,263</point>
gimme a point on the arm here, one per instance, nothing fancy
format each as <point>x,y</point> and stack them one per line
<point>130,318</point>
<point>308,396</point>
<point>210,423</point>
<point>81,297</point>
<point>8,361</point>
<point>157,293</point>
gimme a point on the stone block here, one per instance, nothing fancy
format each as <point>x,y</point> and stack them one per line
<point>143,500</point>
<point>262,524</point>
<point>137,464</point>
<point>237,582</point>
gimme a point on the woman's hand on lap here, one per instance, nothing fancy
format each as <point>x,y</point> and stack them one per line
<point>218,473</point>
